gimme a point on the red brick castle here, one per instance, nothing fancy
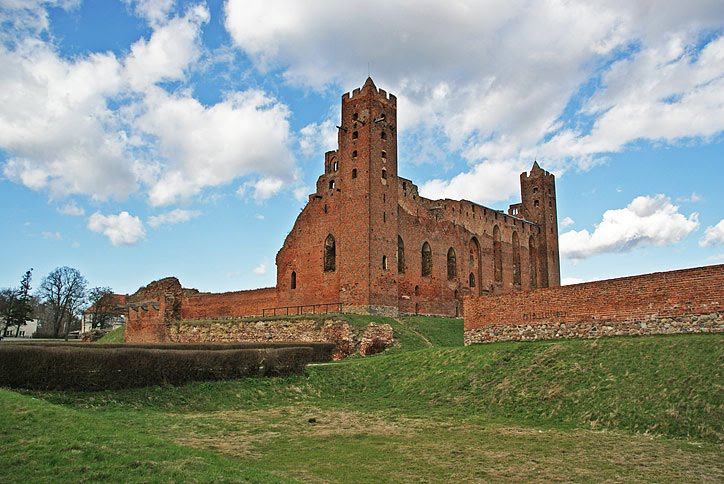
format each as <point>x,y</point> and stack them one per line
<point>366,239</point>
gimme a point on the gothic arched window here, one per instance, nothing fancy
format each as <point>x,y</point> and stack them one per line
<point>426,260</point>
<point>329,254</point>
<point>452,270</point>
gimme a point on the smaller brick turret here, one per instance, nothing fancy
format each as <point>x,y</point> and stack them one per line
<point>538,205</point>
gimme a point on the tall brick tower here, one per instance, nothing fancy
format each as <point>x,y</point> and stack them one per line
<point>368,189</point>
<point>538,203</point>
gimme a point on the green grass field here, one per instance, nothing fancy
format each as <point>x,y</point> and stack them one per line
<point>646,409</point>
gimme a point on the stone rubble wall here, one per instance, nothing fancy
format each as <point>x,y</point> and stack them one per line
<point>685,301</point>
<point>349,340</point>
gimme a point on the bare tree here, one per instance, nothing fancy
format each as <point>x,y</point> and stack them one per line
<point>103,306</point>
<point>64,290</point>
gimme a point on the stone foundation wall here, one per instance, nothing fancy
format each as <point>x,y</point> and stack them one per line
<point>685,301</point>
<point>706,323</point>
<point>349,340</point>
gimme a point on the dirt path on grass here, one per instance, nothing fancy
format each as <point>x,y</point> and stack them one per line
<point>422,336</point>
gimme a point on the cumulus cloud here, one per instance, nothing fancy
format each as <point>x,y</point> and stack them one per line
<point>154,11</point>
<point>103,126</point>
<point>567,222</point>
<point>210,146</point>
<point>318,138</point>
<point>173,217</point>
<point>121,229</point>
<point>71,208</point>
<point>713,235</point>
<point>169,52</point>
<point>486,183</point>
<point>484,79</point>
<point>645,221</point>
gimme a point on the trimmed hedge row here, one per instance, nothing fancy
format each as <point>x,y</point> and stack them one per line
<point>60,367</point>
<point>321,352</point>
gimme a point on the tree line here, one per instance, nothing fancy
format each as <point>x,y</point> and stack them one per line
<point>58,304</point>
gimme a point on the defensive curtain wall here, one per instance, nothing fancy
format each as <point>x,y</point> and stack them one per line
<point>684,301</point>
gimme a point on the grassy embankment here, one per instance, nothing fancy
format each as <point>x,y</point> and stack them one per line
<point>625,409</point>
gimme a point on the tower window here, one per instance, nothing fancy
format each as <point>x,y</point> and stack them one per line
<point>384,217</point>
<point>293,283</point>
<point>383,135</point>
<point>354,154</point>
<point>536,203</point>
<point>354,172</point>
<point>384,174</point>
<point>400,255</point>
<point>452,269</point>
<point>384,154</point>
<point>535,189</point>
<point>426,263</point>
<point>355,134</point>
<point>355,116</point>
<point>331,184</point>
<point>330,256</point>
<point>384,262</point>
<point>335,166</point>
<point>471,280</point>
<point>497,255</point>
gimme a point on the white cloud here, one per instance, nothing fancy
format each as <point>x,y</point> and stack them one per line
<point>171,49</point>
<point>154,11</point>
<point>713,235</point>
<point>486,183</point>
<point>645,221</point>
<point>101,126</point>
<point>259,216</point>
<point>173,217</point>
<point>301,193</point>
<point>693,198</point>
<point>121,229</point>
<point>262,189</point>
<point>567,222</point>
<point>51,235</point>
<point>210,146</point>
<point>483,78</point>
<point>318,138</point>
<point>71,208</point>
<point>261,269</point>
<point>716,258</point>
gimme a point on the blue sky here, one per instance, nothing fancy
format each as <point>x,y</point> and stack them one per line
<point>142,139</point>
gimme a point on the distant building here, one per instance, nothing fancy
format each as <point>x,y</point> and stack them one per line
<point>26,331</point>
<point>111,307</point>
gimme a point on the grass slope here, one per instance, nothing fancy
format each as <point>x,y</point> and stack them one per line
<point>114,336</point>
<point>499,412</point>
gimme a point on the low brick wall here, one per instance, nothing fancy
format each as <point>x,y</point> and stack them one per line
<point>229,304</point>
<point>685,301</point>
<point>349,340</point>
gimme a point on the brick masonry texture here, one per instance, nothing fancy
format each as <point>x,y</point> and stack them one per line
<point>684,301</point>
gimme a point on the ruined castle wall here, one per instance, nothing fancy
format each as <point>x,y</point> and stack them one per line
<point>467,228</point>
<point>228,304</point>
<point>684,301</point>
<point>332,329</point>
<point>303,255</point>
<point>146,323</point>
